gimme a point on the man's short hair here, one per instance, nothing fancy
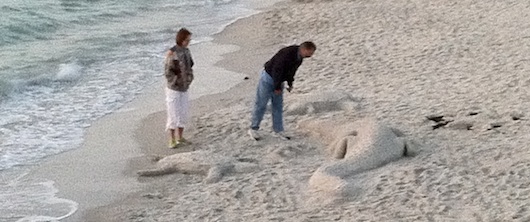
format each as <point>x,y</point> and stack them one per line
<point>182,34</point>
<point>308,45</point>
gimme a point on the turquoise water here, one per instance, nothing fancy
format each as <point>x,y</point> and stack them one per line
<point>66,63</point>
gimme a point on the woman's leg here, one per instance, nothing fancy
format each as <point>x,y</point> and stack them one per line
<point>172,118</point>
<point>183,114</point>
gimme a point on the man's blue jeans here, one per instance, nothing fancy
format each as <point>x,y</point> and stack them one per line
<point>265,92</point>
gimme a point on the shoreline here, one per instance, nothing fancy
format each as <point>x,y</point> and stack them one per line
<point>103,170</point>
<point>97,179</point>
<point>152,141</point>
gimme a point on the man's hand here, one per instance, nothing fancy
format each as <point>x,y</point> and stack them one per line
<point>278,91</point>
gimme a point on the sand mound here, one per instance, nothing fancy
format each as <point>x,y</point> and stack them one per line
<point>322,101</point>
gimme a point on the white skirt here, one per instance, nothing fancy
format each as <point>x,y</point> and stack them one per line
<point>177,109</point>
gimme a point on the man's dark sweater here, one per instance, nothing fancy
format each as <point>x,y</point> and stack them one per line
<point>282,66</point>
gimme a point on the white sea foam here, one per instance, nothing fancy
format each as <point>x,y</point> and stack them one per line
<point>23,200</point>
<point>69,72</point>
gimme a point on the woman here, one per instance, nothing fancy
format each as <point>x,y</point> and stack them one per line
<point>179,75</point>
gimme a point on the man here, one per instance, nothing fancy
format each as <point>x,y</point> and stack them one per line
<point>280,68</point>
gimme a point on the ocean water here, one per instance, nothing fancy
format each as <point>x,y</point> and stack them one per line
<point>66,63</point>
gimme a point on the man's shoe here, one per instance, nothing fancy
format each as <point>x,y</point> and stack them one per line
<point>254,134</point>
<point>283,135</point>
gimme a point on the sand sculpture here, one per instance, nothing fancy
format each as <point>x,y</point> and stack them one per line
<point>200,162</point>
<point>355,147</point>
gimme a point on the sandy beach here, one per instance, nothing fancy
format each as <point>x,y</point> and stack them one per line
<point>445,79</point>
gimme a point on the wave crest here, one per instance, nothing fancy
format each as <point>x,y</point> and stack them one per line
<point>69,72</point>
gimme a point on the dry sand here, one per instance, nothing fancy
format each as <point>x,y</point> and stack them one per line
<point>402,61</point>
